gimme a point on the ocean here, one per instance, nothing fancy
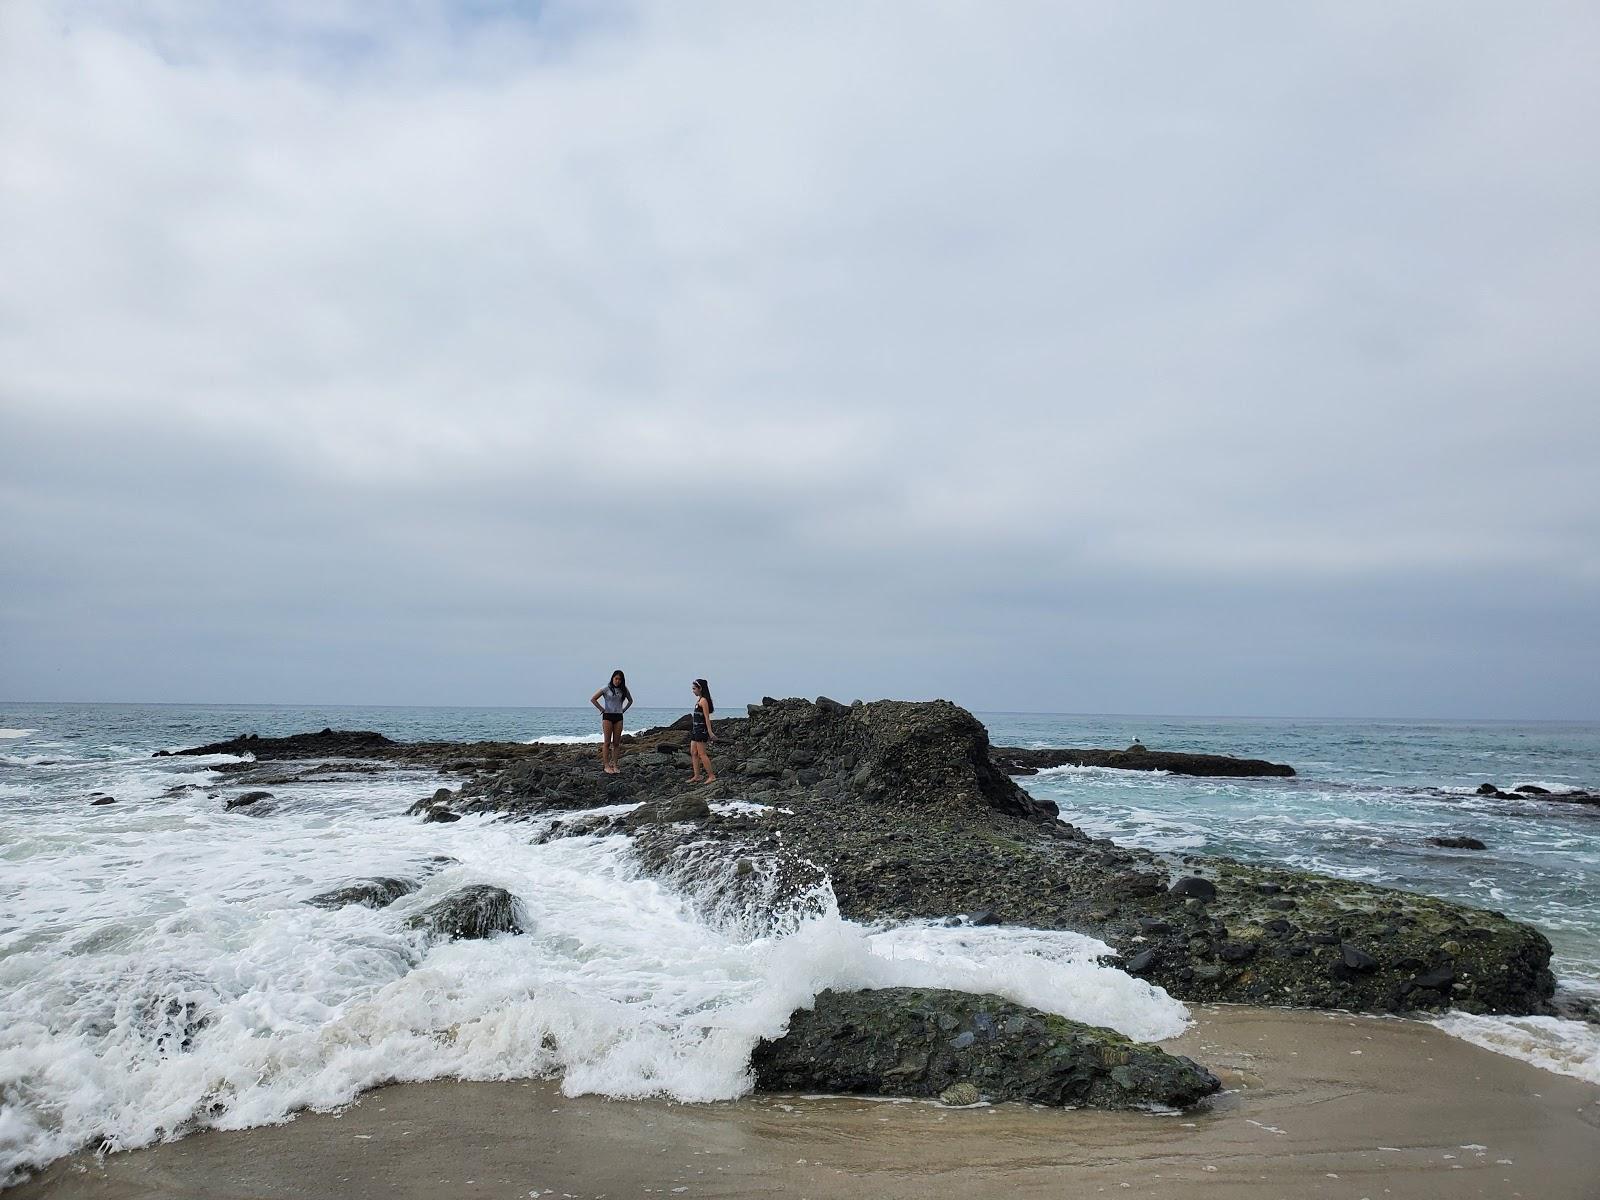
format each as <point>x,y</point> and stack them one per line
<point>159,971</point>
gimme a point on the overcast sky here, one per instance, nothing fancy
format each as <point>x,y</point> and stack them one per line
<point>1239,358</point>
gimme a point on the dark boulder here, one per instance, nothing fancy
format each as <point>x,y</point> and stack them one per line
<point>439,816</point>
<point>1140,962</point>
<point>1457,843</point>
<point>1356,959</point>
<point>246,799</point>
<point>923,1041</point>
<point>369,893</point>
<point>478,911</point>
<point>1194,888</point>
<point>96,799</point>
<point>1440,978</point>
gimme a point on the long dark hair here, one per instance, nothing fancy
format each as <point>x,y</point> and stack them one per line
<point>614,675</point>
<point>705,694</point>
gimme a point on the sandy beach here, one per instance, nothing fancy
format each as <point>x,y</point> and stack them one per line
<point>1317,1105</point>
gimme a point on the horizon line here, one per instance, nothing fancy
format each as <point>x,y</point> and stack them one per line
<point>1145,716</point>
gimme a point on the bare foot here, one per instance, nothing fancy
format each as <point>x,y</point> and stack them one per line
<point>711,778</point>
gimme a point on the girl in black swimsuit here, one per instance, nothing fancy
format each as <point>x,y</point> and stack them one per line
<point>700,731</point>
<point>612,700</point>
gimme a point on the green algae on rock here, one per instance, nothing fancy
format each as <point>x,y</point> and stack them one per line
<point>927,1041</point>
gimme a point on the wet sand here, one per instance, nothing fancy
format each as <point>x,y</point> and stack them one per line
<point>1317,1106</point>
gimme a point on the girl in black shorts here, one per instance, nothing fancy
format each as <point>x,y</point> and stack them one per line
<point>700,731</point>
<point>612,700</point>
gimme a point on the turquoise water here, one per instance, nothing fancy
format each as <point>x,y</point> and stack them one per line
<point>1367,795</point>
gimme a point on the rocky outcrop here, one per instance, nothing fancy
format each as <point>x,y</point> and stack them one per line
<point>369,893</point>
<point>478,911</point>
<point>926,1042</point>
<point>903,808</point>
<point>1016,760</point>
<point>1279,936</point>
<point>890,753</point>
<point>1532,791</point>
<point>898,807</point>
<point>1457,843</point>
<point>348,743</point>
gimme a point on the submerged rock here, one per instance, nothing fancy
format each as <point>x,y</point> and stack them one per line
<point>928,1041</point>
<point>441,796</point>
<point>1457,843</point>
<point>680,808</point>
<point>1017,760</point>
<point>370,893</point>
<point>246,799</point>
<point>1531,791</point>
<point>478,911</point>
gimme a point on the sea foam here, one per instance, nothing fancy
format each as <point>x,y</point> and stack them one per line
<point>161,972</point>
<point>1554,1043</point>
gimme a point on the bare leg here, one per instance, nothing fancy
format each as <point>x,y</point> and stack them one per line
<point>605,748</point>
<point>700,756</point>
<point>694,761</point>
<point>613,743</point>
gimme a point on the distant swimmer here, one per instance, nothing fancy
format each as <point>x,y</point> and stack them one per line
<point>612,700</point>
<point>700,731</point>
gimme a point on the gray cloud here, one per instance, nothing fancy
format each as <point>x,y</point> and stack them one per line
<point>1044,356</point>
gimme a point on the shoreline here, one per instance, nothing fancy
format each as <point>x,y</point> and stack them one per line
<point>1316,1105</point>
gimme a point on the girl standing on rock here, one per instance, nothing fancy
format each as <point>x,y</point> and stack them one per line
<point>700,731</point>
<point>612,700</point>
